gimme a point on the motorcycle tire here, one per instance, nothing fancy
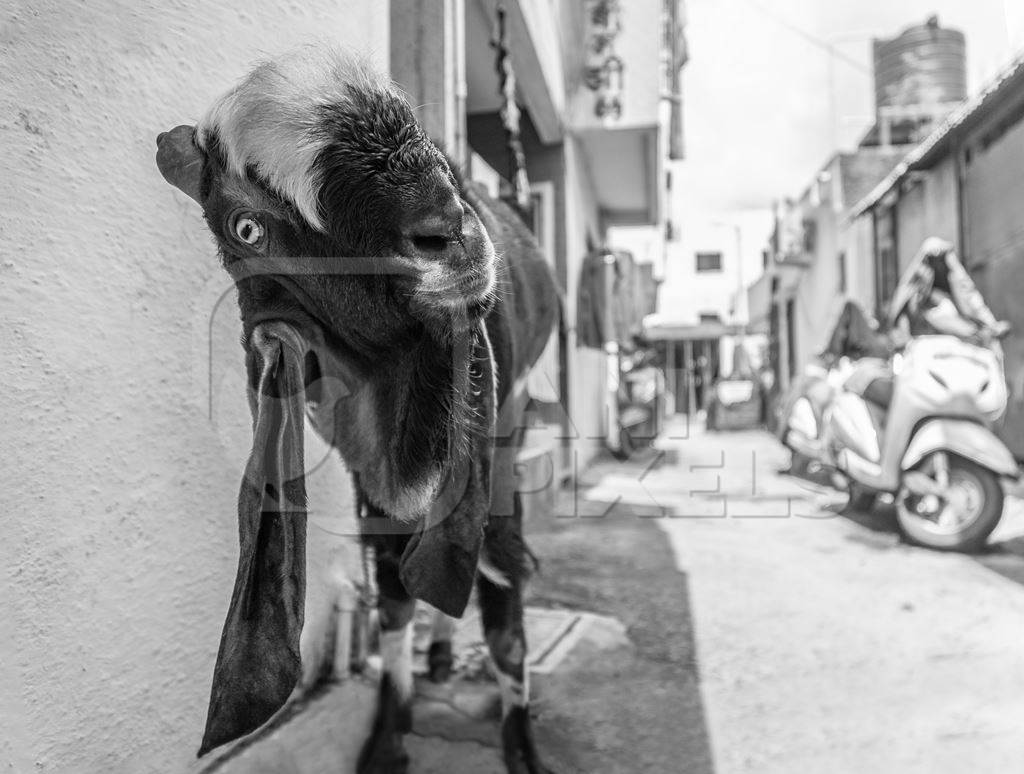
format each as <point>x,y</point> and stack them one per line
<point>973,536</point>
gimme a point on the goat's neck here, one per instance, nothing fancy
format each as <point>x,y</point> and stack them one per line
<point>408,420</point>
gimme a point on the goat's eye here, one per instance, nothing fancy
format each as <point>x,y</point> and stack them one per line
<point>248,230</point>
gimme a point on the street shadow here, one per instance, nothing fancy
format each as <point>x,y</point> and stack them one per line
<point>612,559</point>
<point>879,519</point>
<point>1005,558</point>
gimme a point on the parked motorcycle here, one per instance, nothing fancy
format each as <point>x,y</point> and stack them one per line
<point>805,419</point>
<point>854,341</point>
<point>925,435</point>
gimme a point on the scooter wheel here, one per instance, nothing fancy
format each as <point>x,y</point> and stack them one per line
<point>963,524</point>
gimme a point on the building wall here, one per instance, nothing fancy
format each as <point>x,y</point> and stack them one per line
<point>841,264</point>
<point>994,201</point>
<point>941,202</point>
<point>124,449</point>
<point>639,46</point>
<point>994,192</point>
<point>856,240</point>
<point>818,291</point>
<point>928,208</point>
<point>912,225</point>
<point>688,293</point>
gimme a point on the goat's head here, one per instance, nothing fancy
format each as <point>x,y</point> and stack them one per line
<point>313,156</point>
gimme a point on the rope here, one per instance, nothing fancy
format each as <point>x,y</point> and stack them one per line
<point>510,113</point>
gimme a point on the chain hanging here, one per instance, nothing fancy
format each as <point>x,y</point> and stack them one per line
<point>510,113</point>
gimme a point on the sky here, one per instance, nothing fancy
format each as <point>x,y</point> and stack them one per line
<point>766,107</point>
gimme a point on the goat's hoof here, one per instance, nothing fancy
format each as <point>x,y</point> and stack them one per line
<point>384,752</point>
<point>440,660</point>
<point>521,756</point>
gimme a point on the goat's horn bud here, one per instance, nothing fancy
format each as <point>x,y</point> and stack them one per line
<point>180,161</point>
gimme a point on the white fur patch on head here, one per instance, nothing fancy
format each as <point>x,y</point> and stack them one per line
<point>272,121</point>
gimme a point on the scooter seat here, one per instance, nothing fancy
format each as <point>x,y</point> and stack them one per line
<point>879,391</point>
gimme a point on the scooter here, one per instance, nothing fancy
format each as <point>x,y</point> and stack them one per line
<point>806,422</point>
<point>925,436</point>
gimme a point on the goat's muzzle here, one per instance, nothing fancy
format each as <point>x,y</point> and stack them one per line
<point>455,258</point>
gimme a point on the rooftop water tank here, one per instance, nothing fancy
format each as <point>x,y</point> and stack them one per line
<point>925,65</point>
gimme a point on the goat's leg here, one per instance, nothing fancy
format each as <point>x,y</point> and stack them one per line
<point>384,752</point>
<point>439,657</point>
<point>501,611</point>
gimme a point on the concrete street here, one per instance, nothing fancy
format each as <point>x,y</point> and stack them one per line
<point>823,643</point>
<point>742,626</point>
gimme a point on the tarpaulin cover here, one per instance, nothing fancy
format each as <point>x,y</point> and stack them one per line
<point>632,296</point>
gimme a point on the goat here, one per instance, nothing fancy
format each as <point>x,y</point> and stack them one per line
<point>373,300</point>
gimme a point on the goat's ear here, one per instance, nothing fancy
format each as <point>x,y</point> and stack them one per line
<point>180,160</point>
<point>258,664</point>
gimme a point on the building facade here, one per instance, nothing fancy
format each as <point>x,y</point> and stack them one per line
<point>822,250</point>
<point>817,257</point>
<point>595,138</point>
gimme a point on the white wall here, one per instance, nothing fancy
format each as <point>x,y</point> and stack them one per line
<point>120,537</point>
<point>686,292</point>
<point>639,46</point>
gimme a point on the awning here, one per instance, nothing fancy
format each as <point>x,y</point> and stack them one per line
<point>667,330</point>
<point>625,166</point>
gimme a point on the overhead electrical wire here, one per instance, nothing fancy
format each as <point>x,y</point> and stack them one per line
<point>809,37</point>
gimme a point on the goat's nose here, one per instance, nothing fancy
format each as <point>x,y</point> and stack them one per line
<point>433,235</point>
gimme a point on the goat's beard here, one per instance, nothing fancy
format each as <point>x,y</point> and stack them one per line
<point>450,316</point>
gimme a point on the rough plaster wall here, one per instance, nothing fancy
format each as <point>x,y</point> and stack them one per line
<point>120,548</point>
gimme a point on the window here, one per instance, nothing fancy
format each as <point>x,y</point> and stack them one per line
<point>842,274</point>
<point>709,262</point>
<point>709,318</point>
